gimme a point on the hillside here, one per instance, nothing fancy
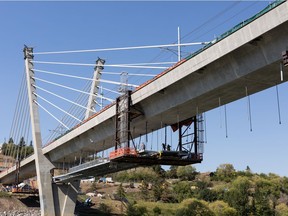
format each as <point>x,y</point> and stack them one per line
<point>183,191</point>
<point>179,191</point>
<point>19,205</point>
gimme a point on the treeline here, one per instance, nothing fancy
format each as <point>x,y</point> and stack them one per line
<point>225,192</point>
<point>20,150</point>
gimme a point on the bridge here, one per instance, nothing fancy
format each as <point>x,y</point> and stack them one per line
<point>243,61</point>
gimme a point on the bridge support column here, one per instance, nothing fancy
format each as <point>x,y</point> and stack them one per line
<point>55,200</point>
<point>65,196</point>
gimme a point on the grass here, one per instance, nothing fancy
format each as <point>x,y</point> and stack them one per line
<point>4,194</point>
<point>166,208</point>
<point>81,198</point>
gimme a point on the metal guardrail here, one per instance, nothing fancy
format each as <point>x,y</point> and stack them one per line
<point>88,164</point>
<point>238,26</point>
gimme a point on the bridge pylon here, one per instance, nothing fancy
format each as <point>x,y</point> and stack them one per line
<point>55,200</point>
<point>94,87</point>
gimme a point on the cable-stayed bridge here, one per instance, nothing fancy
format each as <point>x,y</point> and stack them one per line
<point>247,59</point>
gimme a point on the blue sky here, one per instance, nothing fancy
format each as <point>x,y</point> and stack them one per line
<point>56,26</point>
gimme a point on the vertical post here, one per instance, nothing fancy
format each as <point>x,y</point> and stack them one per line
<point>165,137</point>
<point>249,108</point>
<point>226,126</point>
<point>281,72</point>
<point>195,135</point>
<point>117,119</point>
<point>128,118</point>
<point>43,165</point>
<point>180,136</point>
<point>94,87</point>
<point>179,46</point>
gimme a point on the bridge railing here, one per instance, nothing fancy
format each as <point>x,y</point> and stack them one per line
<point>88,164</point>
<point>237,27</point>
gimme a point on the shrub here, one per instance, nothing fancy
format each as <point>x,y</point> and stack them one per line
<point>104,208</point>
<point>157,211</point>
<point>194,207</point>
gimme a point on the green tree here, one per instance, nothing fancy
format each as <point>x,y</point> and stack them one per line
<point>238,195</point>
<point>138,174</point>
<point>206,194</point>
<point>186,172</point>
<point>194,207</point>
<point>121,194</point>
<point>225,172</point>
<point>203,191</point>
<point>104,208</point>
<point>182,190</point>
<point>158,189</point>
<point>22,142</point>
<point>248,169</point>
<point>144,190</point>
<point>11,140</point>
<point>262,197</point>
<point>135,210</point>
<point>172,172</point>
<point>156,211</point>
<point>221,208</point>
<point>284,185</point>
<point>159,170</point>
<point>28,150</point>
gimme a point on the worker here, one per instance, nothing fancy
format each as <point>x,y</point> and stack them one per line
<point>164,146</point>
<point>143,147</point>
<point>168,147</point>
<point>88,202</point>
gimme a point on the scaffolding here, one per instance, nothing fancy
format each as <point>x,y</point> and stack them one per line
<point>188,151</point>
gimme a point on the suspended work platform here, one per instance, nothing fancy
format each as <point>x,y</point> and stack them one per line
<point>190,140</point>
<point>146,157</point>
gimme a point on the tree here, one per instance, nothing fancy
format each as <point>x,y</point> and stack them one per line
<point>203,191</point>
<point>238,195</point>
<point>138,174</point>
<point>207,195</point>
<point>121,193</point>
<point>104,208</point>
<point>11,140</point>
<point>159,170</point>
<point>262,197</point>
<point>156,211</point>
<point>194,207</point>
<point>172,173</point>
<point>225,172</point>
<point>221,208</point>
<point>22,142</point>
<point>248,169</point>
<point>182,190</point>
<point>186,172</point>
<point>167,194</point>
<point>157,189</point>
<point>144,190</point>
<point>135,210</point>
